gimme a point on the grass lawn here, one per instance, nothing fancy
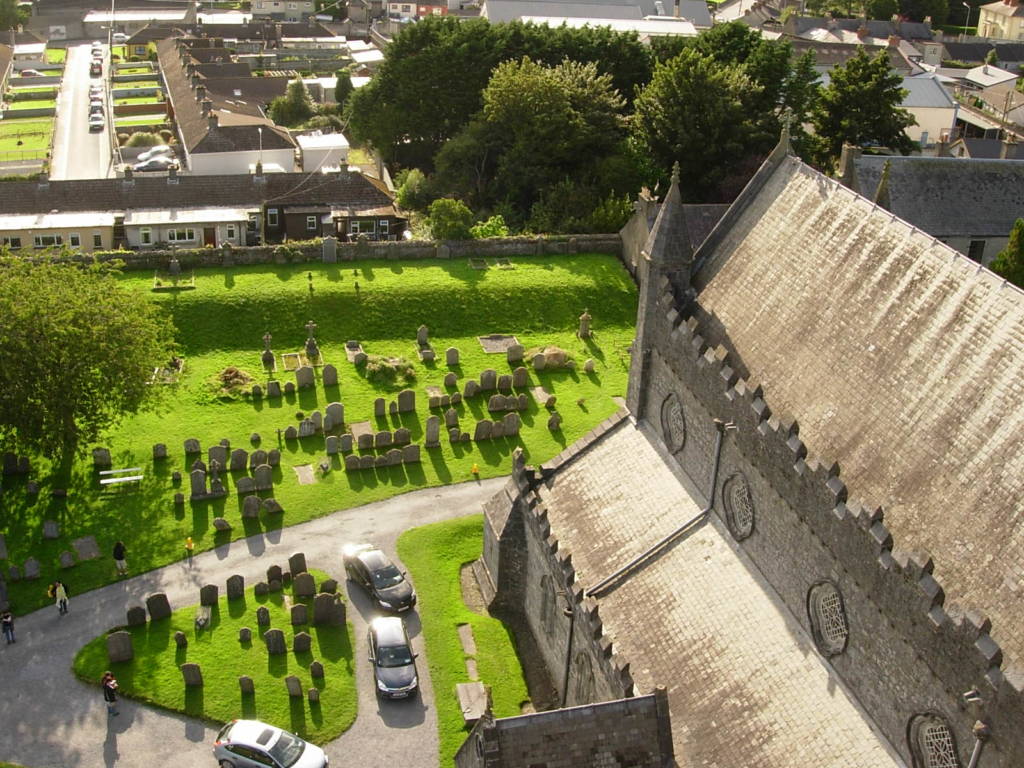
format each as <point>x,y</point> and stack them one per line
<point>434,555</point>
<point>158,121</point>
<point>34,134</point>
<point>56,55</point>
<point>135,69</point>
<point>135,84</point>
<point>15,106</point>
<point>157,99</point>
<point>35,89</point>
<point>154,675</point>
<point>221,324</point>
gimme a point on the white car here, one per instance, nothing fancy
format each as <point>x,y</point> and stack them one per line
<point>160,150</point>
<point>119,37</point>
<point>96,107</point>
<point>252,744</point>
<point>97,122</point>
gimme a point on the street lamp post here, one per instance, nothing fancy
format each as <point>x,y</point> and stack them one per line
<point>967,24</point>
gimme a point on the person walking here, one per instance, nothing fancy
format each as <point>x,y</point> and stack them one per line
<point>119,561</point>
<point>110,692</point>
<point>60,592</point>
<point>7,620</point>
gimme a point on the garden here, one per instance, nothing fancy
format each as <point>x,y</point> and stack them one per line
<point>30,134</point>
<point>220,323</point>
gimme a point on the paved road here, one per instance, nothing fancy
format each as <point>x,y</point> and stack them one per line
<point>77,152</point>
<point>49,719</point>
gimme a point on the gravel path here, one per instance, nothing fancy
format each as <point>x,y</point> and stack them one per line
<point>49,719</point>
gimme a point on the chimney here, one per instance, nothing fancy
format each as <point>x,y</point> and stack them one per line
<point>207,107</point>
<point>942,148</point>
<point>200,92</point>
<point>1008,150</point>
<point>894,41</point>
<point>212,120</point>
<point>862,31</point>
<point>172,175</point>
<point>128,174</point>
<point>847,166</point>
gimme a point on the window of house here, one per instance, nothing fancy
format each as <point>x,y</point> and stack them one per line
<point>385,226</point>
<point>931,742</point>
<point>827,613</point>
<point>74,240</point>
<point>97,240</point>
<point>358,227</point>
<point>145,236</point>
<point>292,6</point>
<point>45,241</point>
<point>406,9</point>
<point>231,231</point>
<point>311,223</point>
<point>976,250</point>
<point>178,235</point>
<point>11,242</point>
<point>272,217</point>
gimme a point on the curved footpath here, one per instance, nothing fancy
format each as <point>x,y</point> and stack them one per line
<point>50,719</point>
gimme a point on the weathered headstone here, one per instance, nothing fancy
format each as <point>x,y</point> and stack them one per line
<point>520,377</point>
<point>539,362</point>
<point>456,398</point>
<point>380,407</point>
<point>235,587</point>
<point>410,454</point>
<point>345,442</point>
<point>330,585</point>
<point>274,573</point>
<point>511,424</point>
<point>351,462</point>
<point>483,430</point>
<point>318,420</point>
<point>304,585</point>
<point>304,377</point>
<point>246,685</point>
<point>367,462</point>
<point>393,457</point>
<point>263,477</point>
<point>51,529</point>
<point>365,441</point>
<point>406,401</point>
<point>380,461</point>
<point>273,388</point>
<point>197,478</point>
<point>451,418</point>
<point>584,329</point>
<point>555,421</point>
<point>289,387</point>
<point>524,401</point>
<point>514,353</point>
<point>543,397</point>
<point>307,428</point>
<point>314,696</point>
<point>179,499</point>
<point>393,408</point>
<point>588,366</point>
<point>180,639</point>
<point>31,569</point>
<point>256,392</point>
<point>451,356</point>
<point>217,453</point>
<point>158,606</point>
<point>496,403</point>
<point>245,485</point>
<point>334,416</point>
<point>488,380</point>
<point>333,445</point>
<point>426,354</point>
<point>291,433</point>
<point>422,335</point>
<point>220,524</point>
<point>274,639</point>
<point>497,430</point>
<point>329,375</point>
<point>251,507</point>
<point>454,434</point>
<point>297,564</point>
<point>316,670</point>
<point>382,439</point>
<point>293,685</point>
<point>176,476</point>
<point>451,380</point>
<point>328,610</point>
<point>191,674</point>
<point>273,457</point>
<point>470,388</point>
<point>402,436</point>
<point>208,594</point>
<point>302,642</point>
<point>299,614</point>
<point>119,647</point>
<point>433,432</point>
<point>135,616</point>
<point>262,615</point>
<point>239,459</point>
<point>272,507</point>
<point>101,458</point>
<point>66,559</point>
<point>244,635</point>
<point>261,589</point>
<point>159,451</point>
<point>329,250</point>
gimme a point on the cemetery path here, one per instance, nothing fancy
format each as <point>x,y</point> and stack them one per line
<point>50,719</point>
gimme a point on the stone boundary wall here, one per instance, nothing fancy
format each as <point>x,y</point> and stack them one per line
<point>907,653</point>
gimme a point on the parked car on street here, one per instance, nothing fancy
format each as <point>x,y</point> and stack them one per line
<point>160,150</point>
<point>95,107</point>
<point>373,570</point>
<point>97,122</point>
<point>252,744</point>
<point>394,663</point>
<point>96,68</point>
<point>31,73</point>
<point>119,38</point>
<point>158,163</point>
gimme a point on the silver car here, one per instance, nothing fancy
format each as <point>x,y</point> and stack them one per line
<point>252,744</point>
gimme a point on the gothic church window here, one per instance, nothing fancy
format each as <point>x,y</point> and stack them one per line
<point>827,614</point>
<point>931,743</point>
<point>739,506</point>
<point>673,424</point>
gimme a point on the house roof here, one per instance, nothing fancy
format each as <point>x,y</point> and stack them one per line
<point>830,54</point>
<point>909,30</point>
<point>509,10</point>
<point>697,619</point>
<point>925,92</point>
<point>986,149</point>
<point>988,75</point>
<point>898,357</point>
<point>338,190</point>
<point>643,27</point>
<point>156,14</point>
<point>1003,8</point>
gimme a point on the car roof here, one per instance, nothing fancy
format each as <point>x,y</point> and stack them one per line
<point>254,733</point>
<point>389,630</point>
<point>374,559</point>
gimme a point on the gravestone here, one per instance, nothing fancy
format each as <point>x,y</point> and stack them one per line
<point>588,366</point>
<point>520,377</point>
<point>235,587</point>
<point>239,459</point>
<point>543,397</point>
<point>245,635</point>
<point>318,420</point>
<point>220,524</point>
<point>330,585</point>
<point>192,446</point>
<point>179,499</point>
<point>302,642</point>
<point>274,573</point>
<point>402,436</point>
<point>451,380</point>
<point>380,407</point>
<point>255,438</point>
<point>380,461</point>
<point>31,569</point>
<point>180,640</point>
<point>411,454</point>
<point>365,441</point>
<point>351,462</point>
<point>159,451</point>
<point>451,356</point>
<point>470,388</point>
<point>245,485</point>
<point>297,565</point>
<point>273,457</point>
<point>483,430</point>
<point>524,401</point>
<point>456,398</point>
<point>334,416</point>
<point>263,477</point>
<point>329,250</point>
<point>488,380</point>
<point>273,388</point>
<point>261,589</point>
<point>293,685</point>
<point>246,685</point>
<point>497,430</point>
<point>426,354</point>
<point>274,638</point>
<point>119,647</point>
<point>316,670</point>
<point>307,428</point>
<point>393,408</point>
<point>198,480</point>
<point>329,375</point>
<point>432,438</point>
<point>101,458</point>
<point>314,696</point>
<point>66,559</point>
<point>291,433</point>
<point>382,439</point>
<point>584,329</point>
<point>216,484</point>
<point>299,614</point>
<point>328,610</point>
<point>256,392</point>
<point>422,335</point>
<point>451,418</point>
<point>51,529</point>
<point>258,457</point>
<point>192,675</point>
<point>496,403</point>
<point>367,462</point>
<point>515,352</point>
<point>208,594</point>
<point>555,421</point>
<point>272,507</point>
<point>262,616</point>
<point>304,377</point>
<point>454,434</point>
<point>289,387</point>
<point>539,361</point>
<point>251,507</point>
<point>217,453</point>
<point>158,606</point>
<point>333,445</point>
<point>406,401</point>
<point>345,442</point>
<point>393,457</point>
<point>136,616</point>
<point>359,358</point>
<point>304,585</point>
<point>511,424</point>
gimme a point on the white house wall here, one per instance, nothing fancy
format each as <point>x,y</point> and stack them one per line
<point>210,163</point>
<point>931,120</point>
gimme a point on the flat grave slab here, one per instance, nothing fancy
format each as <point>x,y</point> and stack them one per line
<point>361,428</point>
<point>497,343</point>
<point>472,700</point>
<point>86,548</point>
<point>478,263</point>
<point>305,474</point>
<point>504,263</point>
<point>434,391</point>
<point>295,360</point>
<point>353,348</point>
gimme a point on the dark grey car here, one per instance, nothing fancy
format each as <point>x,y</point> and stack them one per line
<point>381,578</point>
<point>394,663</point>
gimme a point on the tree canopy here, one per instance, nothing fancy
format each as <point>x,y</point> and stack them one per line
<point>1009,262</point>
<point>294,108</point>
<point>78,352</point>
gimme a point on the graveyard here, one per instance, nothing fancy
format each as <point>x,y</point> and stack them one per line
<point>301,389</point>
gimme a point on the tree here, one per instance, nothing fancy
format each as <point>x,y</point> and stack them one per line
<point>343,88</point>
<point>294,108</point>
<point>78,352</point>
<point>9,17</point>
<point>696,112</point>
<point>1009,262</point>
<point>493,227</point>
<point>411,190</point>
<point>860,106</point>
<point>450,219</point>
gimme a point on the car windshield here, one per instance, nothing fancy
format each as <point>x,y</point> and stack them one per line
<point>394,656</point>
<point>387,576</point>
<point>288,749</point>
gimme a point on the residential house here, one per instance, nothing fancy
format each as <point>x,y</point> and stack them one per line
<point>933,109</point>
<point>694,11</point>
<point>1003,100</point>
<point>644,29</point>
<point>1003,20</point>
<point>56,229</point>
<point>98,23</point>
<point>988,76</point>
<point>1008,55</point>
<point>855,30</point>
<point>984,149</point>
<point>283,10</point>
<point>828,54</point>
<point>415,10</point>
<point>969,204</point>
<point>323,150</point>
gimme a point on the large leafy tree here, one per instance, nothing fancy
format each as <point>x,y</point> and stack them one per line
<point>1009,262</point>
<point>294,108</point>
<point>78,352</point>
<point>9,16</point>
<point>861,105</point>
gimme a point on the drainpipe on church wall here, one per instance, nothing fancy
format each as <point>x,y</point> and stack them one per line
<point>570,611</point>
<point>981,735</point>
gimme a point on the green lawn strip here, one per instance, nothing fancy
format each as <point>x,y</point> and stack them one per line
<point>434,555</point>
<point>33,134</point>
<point>135,84</point>
<point>221,323</point>
<point>157,120</point>
<point>56,55</point>
<point>140,100</point>
<point>36,89</point>
<point>136,70</point>
<point>154,674</point>
<point>16,106</point>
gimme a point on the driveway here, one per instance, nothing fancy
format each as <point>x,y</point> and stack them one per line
<point>77,152</point>
<point>49,719</point>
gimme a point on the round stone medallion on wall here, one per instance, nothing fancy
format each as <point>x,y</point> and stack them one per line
<point>673,423</point>
<point>827,614</point>
<point>739,506</point>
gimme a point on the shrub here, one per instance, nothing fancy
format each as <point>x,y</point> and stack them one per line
<point>389,371</point>
<point>450,219</point>
<point>166,135</point>
<point>231,383</point>
<point>493,227</point>
<point>122,139</point>
<point>143,139</point>
<point>412,194</point>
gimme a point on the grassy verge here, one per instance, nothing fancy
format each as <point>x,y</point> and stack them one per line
<point>220,324</point>
<point>158,99</point>
<point>56,55</point>
<point>154,674</point>
<point>434,555</point>
<point>154,120</point>
<point>16,106</point>
<point>135,70</point>
<point>33,134</point>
